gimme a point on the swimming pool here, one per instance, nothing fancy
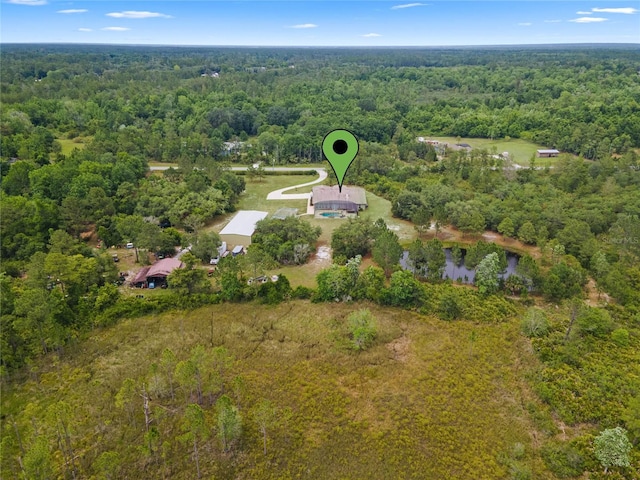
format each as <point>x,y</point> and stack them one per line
<point>331,214</point>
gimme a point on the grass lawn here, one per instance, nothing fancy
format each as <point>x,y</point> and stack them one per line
<point>68,145</point>
<point>255,195</point>
<point>522,150</point>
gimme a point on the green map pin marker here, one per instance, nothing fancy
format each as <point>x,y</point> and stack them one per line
<point>340,147</point>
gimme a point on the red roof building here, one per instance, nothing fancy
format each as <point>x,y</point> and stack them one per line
<point>158,272</point>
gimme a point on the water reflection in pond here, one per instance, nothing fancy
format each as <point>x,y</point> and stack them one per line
<point>460,272</point>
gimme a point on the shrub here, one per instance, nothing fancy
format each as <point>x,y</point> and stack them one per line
<point>612,448</point>
<point>362,328</point>
<point>302,293</point>
<point>449,307</point>
<point>594,321</point>
<point>563,459</point>
<point>620,337</point>
<point>535,323</point>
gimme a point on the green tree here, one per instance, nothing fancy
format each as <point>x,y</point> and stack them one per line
<point>404,290</point>
<point>612,448</point>
<point>338,282</point>
<point>387,251</point>
<point>256,262</point>
<point>370,284</point>
<point>265,415</point>
<point>355,237</point>
<point>37,460</point>
<point>422,220</point>
<point>471,222</point>
<point>436,259</point>
<point>189,279</point>
<point>130,228</point>
<point>195,430</point>
<point>289,241</point>
<point>506,227</point>
<point>362,327</point>
<point>449,306</point>
<point>229,422</point>
<point>168,362</point>
<point>600,268</point>
<point>126,397</point>
<point>527,233</point>
<point>631,417</point>
<point>528,269</point>
<point>487,274</point>
<point>107,465</point>
<point>205,246</point>
<point>596,322</point>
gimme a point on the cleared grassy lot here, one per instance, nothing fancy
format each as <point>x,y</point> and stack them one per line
<point>521,150</point>
<point>69,145</point>
<point>424,401</point>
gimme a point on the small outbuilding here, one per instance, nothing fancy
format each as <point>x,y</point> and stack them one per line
<point>547,153</point>
<point>241,227</point>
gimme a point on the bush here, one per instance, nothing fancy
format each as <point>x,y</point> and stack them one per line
<point>563,459</point>
<point>620,337</point>
<point>535,323</point>
<point>362,328</point>
<point>275,292</point>
<point>449,307</point>
<point>302,293</point>
<point>594,321</point>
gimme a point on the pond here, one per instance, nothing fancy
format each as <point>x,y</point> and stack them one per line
<point>462,273</point>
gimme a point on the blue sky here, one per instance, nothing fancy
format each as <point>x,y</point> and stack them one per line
<point>320,23</point>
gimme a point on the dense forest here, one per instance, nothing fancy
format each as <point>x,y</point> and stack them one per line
<point>79,128</point>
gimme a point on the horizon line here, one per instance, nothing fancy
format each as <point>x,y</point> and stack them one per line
<point>325,46</point>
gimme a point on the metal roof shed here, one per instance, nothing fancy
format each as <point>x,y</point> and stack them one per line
<point>241,227</point>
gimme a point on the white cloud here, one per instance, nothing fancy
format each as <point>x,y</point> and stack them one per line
<point>525,24</point>
<point>116,29</point>
<point>589,20</point>
<point>371,35</point>
<point>32,3</point>
<point>552,21</point>
<point>304,25</point>
<point>85,30</point>
<point>74,10</point>
<point>625,10</point>
<point>137,14</point>
<point>584,13</point>
<point>408,5</point>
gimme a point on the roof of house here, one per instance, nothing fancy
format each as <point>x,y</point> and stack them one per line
<point>548,151</point>
<point>141,276</point>
<point>324,193</point>
<point>164,267</point>
<point>244,223</point>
